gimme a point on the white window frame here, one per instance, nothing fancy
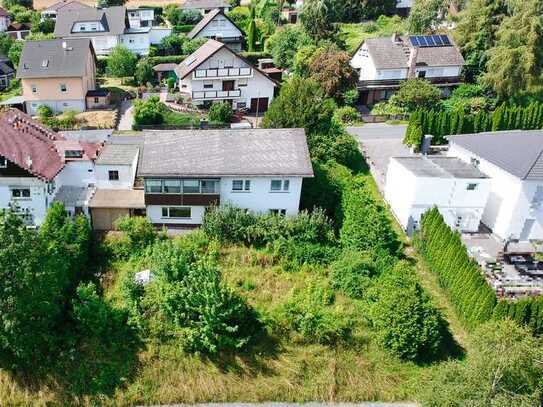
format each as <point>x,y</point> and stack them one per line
<point>21,197</point>
<point>169,208</point>
<point>284,185</point>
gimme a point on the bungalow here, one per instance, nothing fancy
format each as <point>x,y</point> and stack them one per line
<point>185,172</point>
<point>217,26</point>
<point>107,28</point>
<point>206,6</point>
<point>52,11</point>
<point>384,63</point>
<point>214,72</point>
<point>57,73</point>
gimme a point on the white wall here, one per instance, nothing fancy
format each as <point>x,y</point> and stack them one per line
<point>261,199</point>
<point>39,199</point>
<point>103,44</point>
<point>220,26</point>
<point>439,71</point>
<point>76,173</point>
<point>157,33</point>
<point>404,4</point>
<point>154,214</point>
<point>126,178</point>
<point>137,43</point>
<point>58,106</point>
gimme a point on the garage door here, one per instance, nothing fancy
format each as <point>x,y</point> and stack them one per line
<point>103,218</point>
<point>259,105</point>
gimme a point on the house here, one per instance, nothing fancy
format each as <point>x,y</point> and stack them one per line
<point>7,73</point>
<point>206,6</point>
<point>4,20</point>
<point>52,11</point>
<point>384,63</point>
<point>217,26</point>
<point>107,28</point>
<point>18,31</point>
<point>57,73</point>
<point>415,184</point>
<point>215,73</point>
<point>514,162</point>
<point>141,17</point>
<point>187,171</point>
<point>98,99</point>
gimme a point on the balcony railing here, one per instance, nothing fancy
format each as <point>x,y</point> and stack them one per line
<point>387,83</point>
<point>216,94</point>
<point>222,73</point>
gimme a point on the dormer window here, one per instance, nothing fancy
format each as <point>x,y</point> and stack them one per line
<point>45,63</point>
<point>73,153</point>
<point>3,162</point>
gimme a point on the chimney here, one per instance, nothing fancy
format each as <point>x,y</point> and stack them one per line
<point>29,161</point>
<point>412,62</point>
<point>64,45</point>
<point>426,143</point>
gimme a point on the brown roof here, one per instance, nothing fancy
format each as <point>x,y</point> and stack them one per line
<point>67,5</point>
<point>29,145</point>
<point>206,20</point>
<point>19,27</point>
<point>165,67</point>
<point>118,198</point>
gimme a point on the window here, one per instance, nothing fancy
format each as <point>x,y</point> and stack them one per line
<point>286,185</point>
<point>422,74</point>
<point>276,185</point>
<point>82,28</point>
<point>472,187</point>
<point>96,100</point>
<point>176,212</point>
<point>73,153</point>
<point>475,162</point>
<point>153,186</point>
<point>114,175</point>
<point>172,186</point>
<point>3,162</point>
<point>277,212</point>
<point>34,88</point>
<point>191,186</point>
<point>242,83</point>
<point>131,40</point>
<point>209,186</point>
<point>20,193</point>
<point>208,84</point>
<point>45,63</point>
<point>237,185</point>
<point>247,185</point>
<point>63,87</point>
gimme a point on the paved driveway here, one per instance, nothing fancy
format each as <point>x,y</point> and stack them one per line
<point>127,115</point>
<point>379,142</point>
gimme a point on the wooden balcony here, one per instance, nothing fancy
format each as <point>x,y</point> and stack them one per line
<point>395,83</point>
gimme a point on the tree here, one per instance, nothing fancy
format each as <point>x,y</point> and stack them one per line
<point>221,112</point>
<point>6,41</point>
<point>9,4</point>
<point>284,44</point>
<point>426,14</point>
<point>149,111</point>
<point>515,63</point>
<point>415,94</point>
<point>15,52</point>
<point>121,63</point>
<point>173,44</point>
<point>301,103</point>
<point>44,111</point>
<point>47,26</point>
<point>503,368</point>
<point>191,46</point>
<point>331,68</point>
<point>251,30</point>
<point>144,72</point>
<point>317,19</point>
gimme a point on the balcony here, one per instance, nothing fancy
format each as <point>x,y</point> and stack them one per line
<point>218,73</point>
<point>216,94</point>
<point>395,83</point>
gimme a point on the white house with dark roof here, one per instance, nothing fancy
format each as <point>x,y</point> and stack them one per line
<point>217,26</point>
<point>216,73</point>
<point>384,63</point>
<point>415,184</point>
<point>206,6</point>
<point>107,28</point>
<point>185,172</point>
<point>514,162</point>
<point>64,5</point>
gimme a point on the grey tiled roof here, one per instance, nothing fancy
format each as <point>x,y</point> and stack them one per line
<point>518,152</point>
<point>439,167</point>
<point>204,4</point>
<point>88,136</point>
<point>195,59</point>
<point>118,154</point>
<point>250,152</point>
<point>387,54</point>
<point>61,62</point>
<point>113,19</point>
<point>66,5</point>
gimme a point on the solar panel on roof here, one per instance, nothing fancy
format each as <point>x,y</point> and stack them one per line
<point>430,41</point>
<point>422,41</point>
<point>445,40</point>
<point>438,40</point>
<point>414,41</point>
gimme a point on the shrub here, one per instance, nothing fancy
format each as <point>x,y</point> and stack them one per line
<point>347,115</point>
<point>416,94</point>
<point>352,272</point>
<point>221,112</point>
<point>405,321</point>
<point>150,111</point>
<point>350,97</point>
<point>139,231</point>
<point>295,254</point>
<point>228,224</point>
<point>310,314</point>
<point>44,111</point>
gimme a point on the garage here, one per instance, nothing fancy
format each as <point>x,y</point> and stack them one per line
<point>259,105</point>
<point>108,205</point>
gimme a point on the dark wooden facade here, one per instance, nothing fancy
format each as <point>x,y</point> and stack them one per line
<point>182,199</point>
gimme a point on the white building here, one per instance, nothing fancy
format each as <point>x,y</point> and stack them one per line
<point>108,28</point>
<point>185,172</point>
<point>415,184</point>
<point>514,162</point>
<point>217,26</point>
<point>206,6</point>
<point>215,73</point>
<point>64,5</point>
<point>141,17</point>
<point>384,63</point>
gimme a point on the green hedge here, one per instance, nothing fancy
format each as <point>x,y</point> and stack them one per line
<point>253,57</point>
<point>441,123</point>
<point>446,256</point>
<point>183,28</point>
<point>526,311</point>
<point>166,59</point>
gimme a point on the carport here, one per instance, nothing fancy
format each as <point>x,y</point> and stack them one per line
<point>108,205</point>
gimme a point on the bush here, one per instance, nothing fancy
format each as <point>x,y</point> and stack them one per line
<point>347,115</point>
<point>221,112</point>
<point>310,314</point>
<point>405,321</point>
<point>416,94</point>
<point>139,232</point>
<point>294,254</point>
<point>150,111</point>
<point>44,111</point>
<point>350,97</point>
<point>352,273</point>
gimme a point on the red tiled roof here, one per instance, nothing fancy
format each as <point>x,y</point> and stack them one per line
<point>29,144</point>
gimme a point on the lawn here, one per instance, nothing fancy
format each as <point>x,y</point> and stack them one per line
<point>355,34</point>
<point>172,118</point>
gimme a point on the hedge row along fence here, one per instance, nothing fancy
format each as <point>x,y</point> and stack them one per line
<point>474,300</point>
<point>440,123</point>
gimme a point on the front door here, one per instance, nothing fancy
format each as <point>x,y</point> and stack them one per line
<point>227,85</point>
<point>259,105</point>
<point>527,229</point>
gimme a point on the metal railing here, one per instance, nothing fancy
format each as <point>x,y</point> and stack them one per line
<point>222,73</point>
<point>216,94</point>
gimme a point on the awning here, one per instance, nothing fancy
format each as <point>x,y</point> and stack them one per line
<point>118,198</point>
<point>14,100</point>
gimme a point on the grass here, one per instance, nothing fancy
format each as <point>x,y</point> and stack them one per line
<point>172,118</point>
<point>355,34</point>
